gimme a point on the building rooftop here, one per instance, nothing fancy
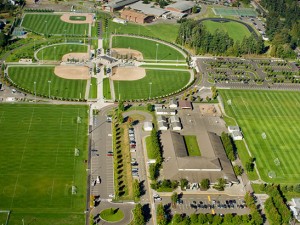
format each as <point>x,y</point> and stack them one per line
<point>119,3</point>
<point>184,104</point>
<point>133,13</point>
<point>182,5</point>
<point>148,9</point>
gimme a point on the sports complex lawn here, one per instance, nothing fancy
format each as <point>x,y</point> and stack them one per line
<point>59,87</point>
<point>163,82</point>
<point>56,52</point>
<point>147,48</point>
<point>235,30</point>
<point>106,88</point>
<point>54,25</point>
<point>38,167</point>
<point>277,115</point>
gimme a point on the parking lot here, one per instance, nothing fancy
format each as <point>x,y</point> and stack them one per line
<point>215,204</point>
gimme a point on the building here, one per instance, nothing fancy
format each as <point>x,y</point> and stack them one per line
<point>173,104</point>
<point>162,126</point>
<point>176,126</point>
<point>136,17</point>
<point>237,135</point>
<point>295,208</point>
<point>148,9</point>
<point>118,20</point>
<point>161,119</point>
<point>115,5</point>
<point>212,164</point>
<point>174,119</point>
<point>181,7</point>
<point>165,111</point>
<point>233,128</point>
<point>148,126</point>
<point>184,104</point>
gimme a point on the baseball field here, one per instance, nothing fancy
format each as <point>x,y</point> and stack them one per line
<point>150,49</point>
<point>59,87</point>
<point>56,52</point>
<point>270,124</point>
<point>41,179</point>
<point>50,24</point>
<point>155,83</point>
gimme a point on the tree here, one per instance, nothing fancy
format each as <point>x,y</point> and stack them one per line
<point>238,170</point>
<point>136,189</point>
<point>220,186</point>
<point>228,218</point>
<point>297,188</point>
<point>139,218</point>
<point>3,39</point>
<point>195,9</point>
<point>121,106</point>
<point>183,183</point>
<point>174,199</point>
<point>204,184</point>
<point>150,107</point>
<point>160,214</point>
<point>202,219</point>
<point>194,218</point>
<point>177,218</point>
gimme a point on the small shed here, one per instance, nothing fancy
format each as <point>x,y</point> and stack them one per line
<point>148,126</point>
<point>174,119</point>
<point>184,104</point>
<point>165,111</point>
<point>161,118</point>
<point>162,126</point>
<point>233,128</point>
<point>158,106</point>
<point>237,135</point>
<point>173,104</point>
<point>176,126</point>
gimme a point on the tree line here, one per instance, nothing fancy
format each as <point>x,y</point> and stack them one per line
<point>196,36</point>
<point>283,26</point>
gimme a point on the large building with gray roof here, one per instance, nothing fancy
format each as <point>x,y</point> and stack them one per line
<point>181,6</point>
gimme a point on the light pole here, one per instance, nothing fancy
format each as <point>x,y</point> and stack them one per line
<point>156,51</point>
<point>34,91</point>
<point>54,53</point>
<point>150,89</point>
<point>46,27</point>
<point>49,82</point>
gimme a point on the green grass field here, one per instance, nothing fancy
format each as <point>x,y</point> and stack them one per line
<point>147,48</point>
<point>59,87</point>
<point>275,114</point>
<point>93,88</point>
<point>54,25</point>
<point>192,145</point>
<point>163,82</point>
<point>106,88</point>
<point>235,30</point>
<point>56,52</point>
<point>38,166</point>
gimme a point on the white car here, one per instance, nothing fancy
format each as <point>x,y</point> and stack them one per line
<point>111,195</point>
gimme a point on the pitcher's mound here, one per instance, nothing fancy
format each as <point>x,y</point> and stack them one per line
<point>128,73</point>
<point>75,55</point>
<point>72,72</point>
<point>126,53</point>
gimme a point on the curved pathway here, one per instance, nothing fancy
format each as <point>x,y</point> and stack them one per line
<point>251,30</point>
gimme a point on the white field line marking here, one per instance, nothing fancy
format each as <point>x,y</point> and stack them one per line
<point>13,198</point>
<point>30,122</point>
<point>246,105</point>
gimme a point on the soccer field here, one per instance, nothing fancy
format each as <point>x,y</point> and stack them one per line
<point>235,30</point>
<point>56,52</point>
<point>59,87</point>
<point>52,24</point>
<point>147,48</point>
<point>37,163</point>
<point>162,82</point>
<point>270,123</point>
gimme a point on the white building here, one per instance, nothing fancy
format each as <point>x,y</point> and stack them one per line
<point>173,104</point>
<point>233,128</point>
<point>118,20</point>
<point>164,111</point>
<point>161,118</point>
<point>174,119</point>
<point>148,126</point>
<point>237,135</point>
<point>162,126</point>
<point>295,207</point>
<point>176,126</point>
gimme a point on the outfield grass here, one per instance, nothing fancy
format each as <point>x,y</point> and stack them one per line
<point>54,25</point>
<point>93,88</point>
<point>277,115</point>
<point>163,82</point>
<point>192,145</point>
<point>56,52</point>
<point>38,166</point>
<point>147,48</point>
<point>59,87</point>
<point>235,30</point>
<point>106,89</point>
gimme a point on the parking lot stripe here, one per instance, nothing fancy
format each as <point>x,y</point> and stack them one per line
<point>208,198</point>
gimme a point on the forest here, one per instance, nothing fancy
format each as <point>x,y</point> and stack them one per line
<point>283,26</point>
<point>195,36</point>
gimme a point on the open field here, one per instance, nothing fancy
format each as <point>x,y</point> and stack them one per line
<point>270,124</point>
<point>162,83</point>
<point>54,25</point>
<point>93,88</point>
<point>152,30</point>
<point>56,52</point>
<point>147,48</point>
<point>38,167</point>
<point>106,89</point>
<point>59,87</point>
<point>192,145</point>
<point>235,30</point>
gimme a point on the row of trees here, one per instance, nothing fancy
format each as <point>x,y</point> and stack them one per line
<point>275,206</point>
<point>196,36</point>
<point>138,215</point>
<point>283,26</point>
<point>228,146</point>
